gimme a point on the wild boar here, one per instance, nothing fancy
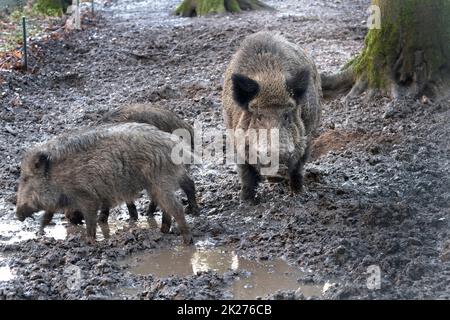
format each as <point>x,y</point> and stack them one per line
<point>100,168</point>
<point>164,120</point>
<point>272,83</point>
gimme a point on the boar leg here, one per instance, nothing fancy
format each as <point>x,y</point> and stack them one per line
<point>151,208</point>
<point>90,217</point>
<point>74,217</point>
<point>166,222</point>
<point>104,215</point>
<point>103,222</point>
<point>296,172</point>
<point>45,221</point>
<point>296,177</point>
<point>188,187</point>
<point>250,178</point>
<point>91,227</point>
<point>171,207</point>
<point>132,211</point>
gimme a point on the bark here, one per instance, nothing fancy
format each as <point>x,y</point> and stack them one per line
<point>192,8</point>
<point>408,56</point>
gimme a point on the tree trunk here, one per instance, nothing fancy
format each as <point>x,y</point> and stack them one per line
<point>192,8</point>
<point>408,56</point>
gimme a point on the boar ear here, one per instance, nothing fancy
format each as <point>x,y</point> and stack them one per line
<point>298,84</point>
<point>244,89</point>
<point>42,161</point>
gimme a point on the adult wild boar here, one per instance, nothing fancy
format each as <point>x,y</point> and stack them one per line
<point>272,83</point>
<point>101,168</point>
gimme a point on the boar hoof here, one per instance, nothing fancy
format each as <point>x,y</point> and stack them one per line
<point>193,211</point>
<point>151,209</point>
<point>250,199</point>
<point>102,218</point>
<point>165,228</point>
<point>187,239</point>
<point>296,185</point>
<point>296,190</point>
<point>75,218</point>
<point>105,230</point>
<point>248,195</point>
<point>90,240</point>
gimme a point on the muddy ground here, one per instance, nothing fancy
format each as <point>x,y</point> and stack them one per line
<point>376,193</point>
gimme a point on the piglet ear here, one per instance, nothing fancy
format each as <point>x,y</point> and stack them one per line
<point>42,161</point>
<point>244,89</point>
<point>298,83</point>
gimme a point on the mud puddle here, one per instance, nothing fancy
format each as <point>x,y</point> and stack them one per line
<point>14,231</point>
<point>256,278</point>
<point>6,273</point>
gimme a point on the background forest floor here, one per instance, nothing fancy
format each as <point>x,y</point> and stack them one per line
<point>376,192</point>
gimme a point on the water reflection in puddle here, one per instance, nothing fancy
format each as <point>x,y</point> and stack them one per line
<point>13,231</point>
<point>5,272</point>
<point>261,278</point>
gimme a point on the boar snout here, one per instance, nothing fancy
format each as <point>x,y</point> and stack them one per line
<point>24,211</point>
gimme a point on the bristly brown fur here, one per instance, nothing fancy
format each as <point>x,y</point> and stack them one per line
<point>288,87</point>
<point>103,167</point>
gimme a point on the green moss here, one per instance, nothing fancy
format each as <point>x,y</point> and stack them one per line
<point>184,8</point>
<point>205,7</point>
<point>378,54</point>
<point>200,7</point>
<point>349,63</point>
<point>407,12</point>
<point>189,8</point>
<point>48,7</point>
<point>233,6</point>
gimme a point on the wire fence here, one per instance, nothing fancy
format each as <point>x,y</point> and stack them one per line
<point>20,26</point>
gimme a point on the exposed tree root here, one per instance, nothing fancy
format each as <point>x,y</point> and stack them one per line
<point>347,82</point>
<point>338,83</point>
<point>253,5</point>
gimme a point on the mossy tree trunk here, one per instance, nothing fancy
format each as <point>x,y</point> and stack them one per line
<point>408,56</point>
<point>192,8</point>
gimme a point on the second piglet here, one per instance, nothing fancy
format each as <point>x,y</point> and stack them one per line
<point>163,119</point>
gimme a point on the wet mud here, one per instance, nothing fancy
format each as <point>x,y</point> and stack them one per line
<point>376,192</point>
